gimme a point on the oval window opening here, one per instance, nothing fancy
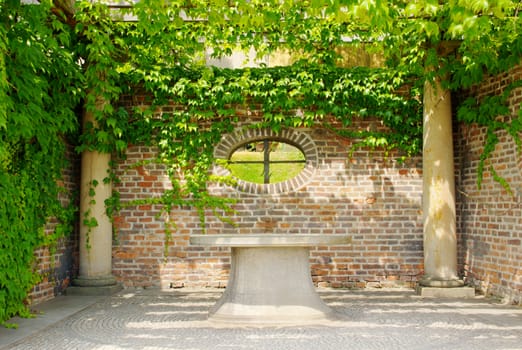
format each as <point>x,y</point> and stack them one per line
<point>266,162</point>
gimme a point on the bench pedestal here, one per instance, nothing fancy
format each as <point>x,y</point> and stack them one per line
<point>270,281</point>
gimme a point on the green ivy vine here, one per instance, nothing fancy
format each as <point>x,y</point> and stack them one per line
<point>205,104</point>
<point>493,113</point>
<point>34,125</point>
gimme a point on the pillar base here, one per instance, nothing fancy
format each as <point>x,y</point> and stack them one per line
<point>438,288</point>
<point>98,285</point>
<point>438,292</point>
<point>440,283</point>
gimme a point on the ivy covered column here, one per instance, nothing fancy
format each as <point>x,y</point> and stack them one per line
<point>440,238</point>
<point>95,225</point>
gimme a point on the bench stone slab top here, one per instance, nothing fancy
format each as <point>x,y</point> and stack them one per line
<point>268,240</point>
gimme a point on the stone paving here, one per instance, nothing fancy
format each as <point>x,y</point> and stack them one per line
<point>367,319</point>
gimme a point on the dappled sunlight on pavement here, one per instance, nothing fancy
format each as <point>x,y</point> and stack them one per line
<point>365,319</point>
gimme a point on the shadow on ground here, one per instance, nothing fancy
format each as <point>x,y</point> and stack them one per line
<point>366,319</point>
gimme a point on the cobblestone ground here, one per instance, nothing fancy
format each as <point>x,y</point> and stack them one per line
<point>390,319</point>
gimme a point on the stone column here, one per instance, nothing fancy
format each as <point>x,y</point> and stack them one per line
<point>96,235</point>
<point>439,214</point>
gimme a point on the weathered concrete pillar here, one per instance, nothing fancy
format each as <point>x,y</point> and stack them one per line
<point>95,225</point>
<point>440,237</point>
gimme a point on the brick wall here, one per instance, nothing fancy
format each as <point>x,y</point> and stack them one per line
<point>490,219</point>
<point>57,268</point>
<point>368,196</point>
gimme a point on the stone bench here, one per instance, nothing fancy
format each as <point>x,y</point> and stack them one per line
<point>270,281</point>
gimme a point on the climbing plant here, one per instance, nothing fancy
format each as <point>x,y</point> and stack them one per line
<point>57,56</point>
<point>206,101</point>
<point>163,50</point>
<point>39,89</point>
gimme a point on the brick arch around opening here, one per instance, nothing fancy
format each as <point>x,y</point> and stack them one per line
<point>230,142</point>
